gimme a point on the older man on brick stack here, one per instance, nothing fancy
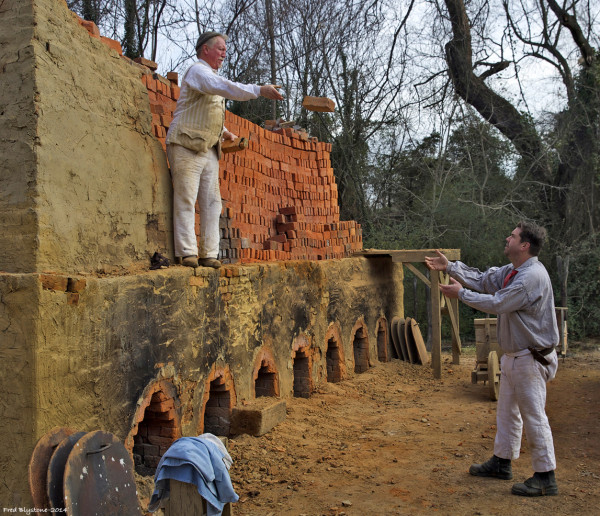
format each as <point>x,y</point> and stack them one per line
<point>520,293</point>
<point>194,149</point>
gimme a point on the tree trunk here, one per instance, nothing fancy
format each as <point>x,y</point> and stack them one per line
<point>491,106</point>
<point>271,29</point>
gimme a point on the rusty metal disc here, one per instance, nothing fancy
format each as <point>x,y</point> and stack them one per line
<point>38,464</point>
<point>411,347</point>
<point>422,357</point>
<point>99,478</point>
<point>402,340</point>
<point>56,470</point>
<point>394,331</point>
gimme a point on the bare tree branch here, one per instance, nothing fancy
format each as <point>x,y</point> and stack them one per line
<point>570,22</point>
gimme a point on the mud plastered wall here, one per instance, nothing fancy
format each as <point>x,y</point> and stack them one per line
<point>84,359</point>
<point>83,179</point>
<point>17,136</point>
<point>86,188</point>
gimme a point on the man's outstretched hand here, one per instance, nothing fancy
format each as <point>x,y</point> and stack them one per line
<point>437,263</point>
<point>269,91</point>
<point>228,136</point>
<point>451,291</point>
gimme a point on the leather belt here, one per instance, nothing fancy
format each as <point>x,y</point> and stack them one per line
<point>540,354</point>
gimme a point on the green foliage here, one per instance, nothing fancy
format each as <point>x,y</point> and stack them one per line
<point>91,11</point>
<point>584,292</point>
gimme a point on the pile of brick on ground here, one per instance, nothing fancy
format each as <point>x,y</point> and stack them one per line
<point>280,196</point>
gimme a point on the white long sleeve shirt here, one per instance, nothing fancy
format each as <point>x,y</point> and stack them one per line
<point>525,307</point>
<point>201,77</point>
<point>200,80</point>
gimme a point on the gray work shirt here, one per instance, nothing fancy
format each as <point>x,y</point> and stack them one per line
<point>525,307</point>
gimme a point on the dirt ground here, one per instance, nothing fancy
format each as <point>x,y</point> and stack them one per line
<point>395,441</point>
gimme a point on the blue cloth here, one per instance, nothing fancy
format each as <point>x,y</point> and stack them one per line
<point>199,462</point>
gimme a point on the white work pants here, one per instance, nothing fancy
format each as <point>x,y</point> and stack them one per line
<point>195,176</point>
<point>522,402</point>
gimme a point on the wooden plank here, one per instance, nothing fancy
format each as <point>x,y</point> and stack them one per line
<point>410,350</point>
<point>436,327</point>
<point>417,273</point>
<point>395,336</point>
<point>184,500</point>
<point>409,255</point>
<point>452,305</point>
<point>421,355</point>
<point>444,280</point>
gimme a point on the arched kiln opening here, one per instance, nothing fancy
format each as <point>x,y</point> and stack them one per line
<point>266,381</point>
<point>217,412</point>
<point>334,361</point>
<point>360,346</point>
<point>302,384</point>
<point>155,432</point>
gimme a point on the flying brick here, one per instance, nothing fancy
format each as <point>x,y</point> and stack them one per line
<point>322,104</point>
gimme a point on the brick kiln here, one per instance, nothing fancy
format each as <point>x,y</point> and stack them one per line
<point>89,337</point>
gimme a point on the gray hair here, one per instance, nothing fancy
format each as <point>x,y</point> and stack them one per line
<point>205,37</point>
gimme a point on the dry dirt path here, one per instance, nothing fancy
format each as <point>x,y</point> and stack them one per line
<point>395,441</point>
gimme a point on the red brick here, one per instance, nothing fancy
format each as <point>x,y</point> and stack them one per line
<point>161,406</point>
<point>53,282</point>
<point>72,298</point>
<point>173,433</point>
<point>159,396</point>
<point>91,27</point>
<point>160,441</point>
<point>146,62</point>
<point>111,43</point>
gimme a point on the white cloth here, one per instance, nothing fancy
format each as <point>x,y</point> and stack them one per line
<point>195,176</point>
<point>521,403</point>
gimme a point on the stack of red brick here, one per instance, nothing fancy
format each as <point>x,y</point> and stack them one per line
<point>281,195</point>
<point>280,199</point>
<point>163,94</point>
<point>156,432</point>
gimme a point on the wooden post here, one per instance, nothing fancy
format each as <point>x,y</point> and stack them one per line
<point>456,345</point>
<point>436,326</point>
<point>186,501</point>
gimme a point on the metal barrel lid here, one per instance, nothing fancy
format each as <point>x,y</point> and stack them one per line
<point>422,356</point>
<point>411,348</point>
<point>98,479</point>
<point>402,340</point>
<point>38,465</point>
<point>56,470</point>
<point>394,325</point>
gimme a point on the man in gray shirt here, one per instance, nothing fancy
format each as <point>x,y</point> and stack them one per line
<point>520,294</point>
